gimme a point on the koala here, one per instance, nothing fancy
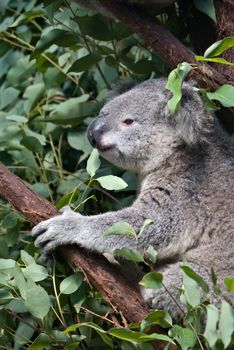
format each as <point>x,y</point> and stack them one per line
<point>185,166</point>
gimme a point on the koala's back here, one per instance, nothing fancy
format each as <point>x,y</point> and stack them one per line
<point>198,195</point>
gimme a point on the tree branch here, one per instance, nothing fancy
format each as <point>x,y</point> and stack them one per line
<point>104,276</point>
<point>170,49</point>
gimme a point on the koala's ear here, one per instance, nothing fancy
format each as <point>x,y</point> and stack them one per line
<point>193,122</point>
<point>120,89</point>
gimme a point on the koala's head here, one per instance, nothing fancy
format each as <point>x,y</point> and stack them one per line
<point>135,131</point>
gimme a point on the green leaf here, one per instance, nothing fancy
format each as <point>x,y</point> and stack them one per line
<point>156,336</point>
<point>111,182</point>
<point>219,47</point>
<point>67,199</point>
<point>43,341</point>
<point>27,16</point>
<point>224,94</point>
<point>6,264</point>
<point>72,111</point>
<point>185,337</point>
<point>229,281</point>
<point>32,144</point>
<point>37,300</point>
<point>8,96</point>
<point>5,296</point>
<point>136,337</point>
<point>71,283</point>
<point>197,278</point>
<point>27,258</point>
<point>35,272</point>
<point>152,280</point>
<point>86,62</point>
<point>216,60</point>
<point>93,163</point>
<point>125,334</point>
<point>190,293</point>
<point>58,37</point>
<point>174,84</point>
<point>207,7</point>
<point>95,26</point>
<point>226,323</point>
<point>78,140</point>
<point>24,332</point>
<point>84,324</point>
<point>160,318</point>
<point>10,220</point>
<point>17,305</point>
<point>129,254</point>
<point>144,66</point>
<point>33,94</point>
<point>211,324</point>
<point>20,280</point>
<point>151,254</point>
<point>120,228</point>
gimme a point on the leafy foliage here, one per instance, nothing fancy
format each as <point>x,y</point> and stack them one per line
<point>57,62</point>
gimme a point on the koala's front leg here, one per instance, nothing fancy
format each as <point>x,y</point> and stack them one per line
<point>86,231</point>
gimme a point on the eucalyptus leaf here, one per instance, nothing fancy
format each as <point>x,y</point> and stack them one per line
<point>93,163</point>
<point>32,144</point>
<point>207,7</point>
<point>6,264</point>
<point>5,296</point>
<point>214,60</point>
<point>37,300</point>
<point>210,333</point>
<point>121,228</point>
<point>226,323</point>
<point>43,341</point>
<point>59,37</point>
<point>129,254</point>
<point>111,182</point>
<point>219,47</point>
<point>71,283</point>
<point>197,278</point>
<point>174,84</point>
<point>185,337</point>
<point>152,280</point>
<point>35,272</point>
<point>84,324</point>
<point>224,94</point>
<point>8,96</point>
<point>27,258</point>
<point>86,62</point>
<point>190,293</point>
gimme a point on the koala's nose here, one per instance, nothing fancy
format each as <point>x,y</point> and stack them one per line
<point>95,131</point>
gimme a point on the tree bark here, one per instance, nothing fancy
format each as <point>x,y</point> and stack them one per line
<point>104,276</point>
<point>225,27</point>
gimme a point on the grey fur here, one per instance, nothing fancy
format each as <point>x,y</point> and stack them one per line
<point>185,166</point>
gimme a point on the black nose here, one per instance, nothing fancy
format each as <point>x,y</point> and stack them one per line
<point>95,131</point>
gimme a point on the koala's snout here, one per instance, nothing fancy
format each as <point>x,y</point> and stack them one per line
<point>95,131</point>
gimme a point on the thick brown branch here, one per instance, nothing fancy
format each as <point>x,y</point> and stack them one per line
<point>115,288</point>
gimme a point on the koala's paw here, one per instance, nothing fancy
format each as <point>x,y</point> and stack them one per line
<point>57,231</point>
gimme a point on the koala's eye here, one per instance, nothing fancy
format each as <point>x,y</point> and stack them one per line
<point>128,121</point>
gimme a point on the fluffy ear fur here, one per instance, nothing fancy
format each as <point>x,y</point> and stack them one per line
<point>120,89</point>
<point>193,122</point>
